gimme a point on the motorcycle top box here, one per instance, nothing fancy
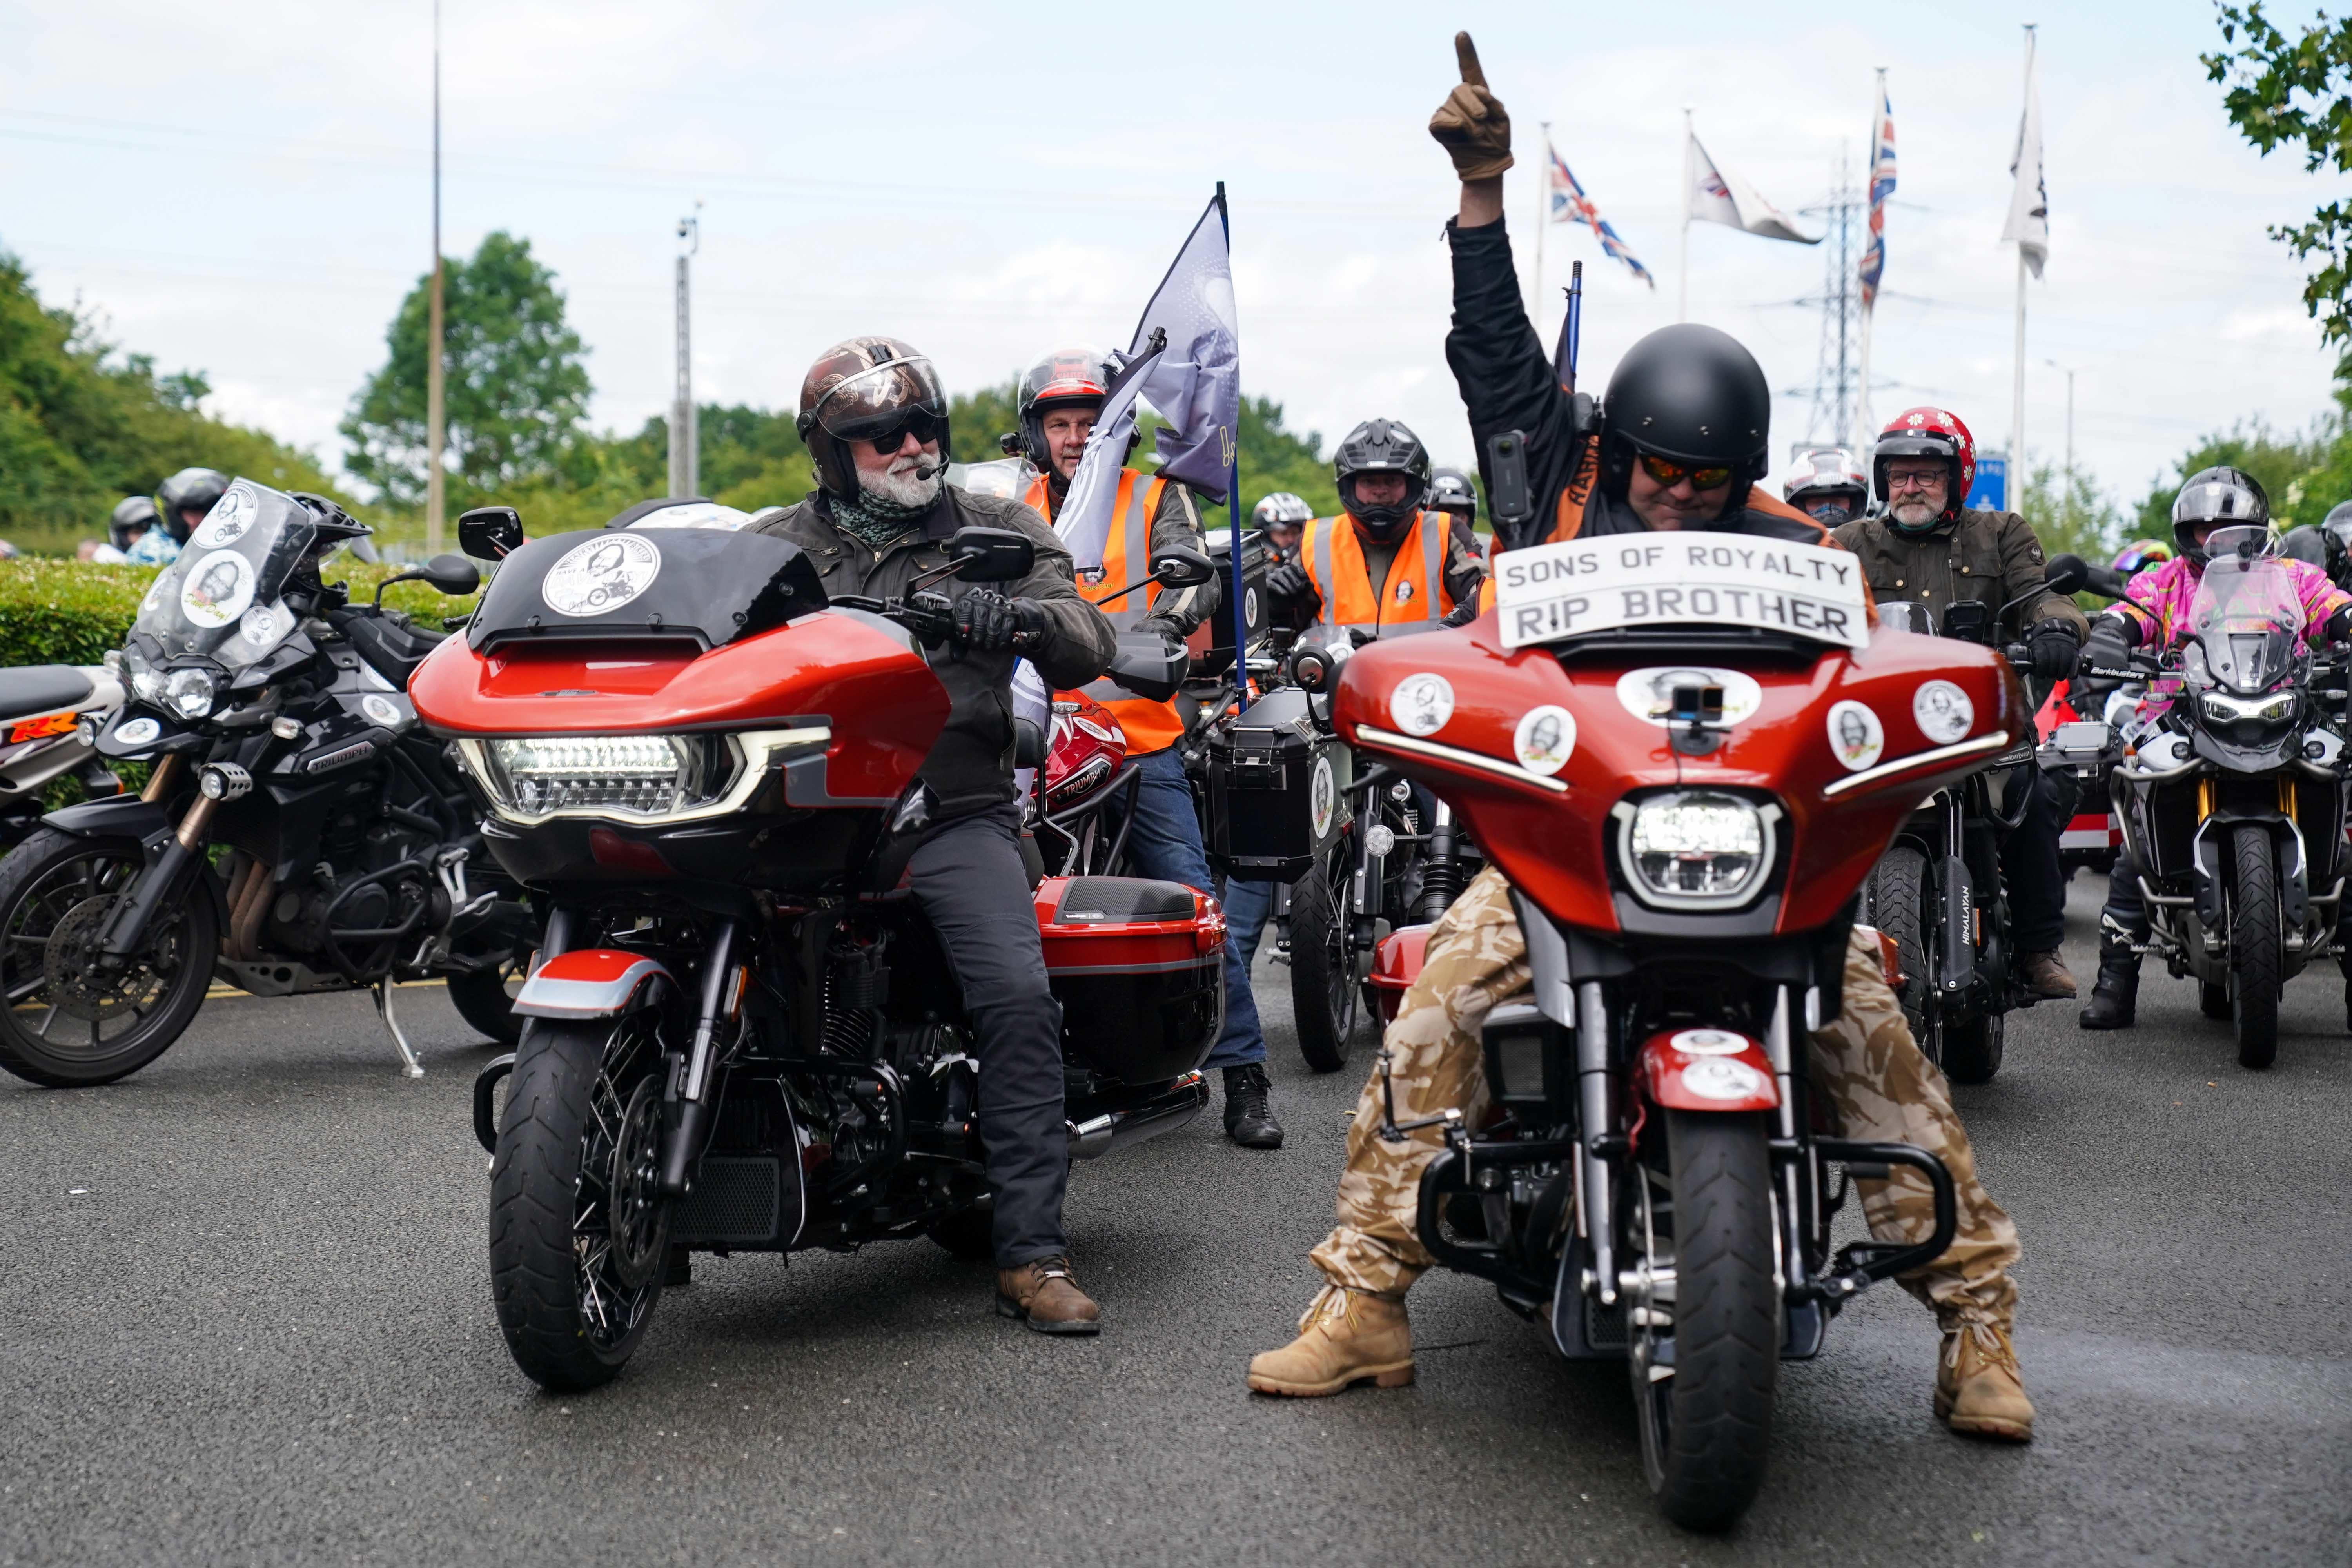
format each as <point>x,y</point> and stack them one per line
<point>1277,789</point>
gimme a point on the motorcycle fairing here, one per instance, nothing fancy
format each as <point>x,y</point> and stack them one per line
<point>1706,1069</point>
<point>705,587</point>
<point>125,815</point>
<point>590,982</point>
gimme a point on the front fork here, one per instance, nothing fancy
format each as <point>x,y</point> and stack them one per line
<point>171,867</point>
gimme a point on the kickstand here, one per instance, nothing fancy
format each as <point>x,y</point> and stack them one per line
<point>409,1064</point>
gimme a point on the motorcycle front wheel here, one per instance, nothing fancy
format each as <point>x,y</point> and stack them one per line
<point>1972,1047</point>
<point>1900,900</point>
<point>2255,948</point>
<point>1323,963</point>
<point>1708,1358</point>
<point>579,1233</point>
<point>70,1024</point>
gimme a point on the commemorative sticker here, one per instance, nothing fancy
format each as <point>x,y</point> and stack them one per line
<point>1250,612</point>
<point>1720,1078</point>
<point>1649,693</point>
<point>382,711</point>
<point>231,517</point>
<point>1322,795</point>
<point>1708,1043</point>
<point>154,596</point>
<point>1856,737</point>
<point>218,589</point>
<point>1544,739</point>
<point>137,733</point>
<point>1404,592</point>
<point>1943,710</point>
<point>1422,703</point>
<point>260,625</point>
<point>602,575</point>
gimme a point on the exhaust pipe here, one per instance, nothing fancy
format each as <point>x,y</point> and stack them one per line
<point>1163,1113</point>
<point>1092,1138</point>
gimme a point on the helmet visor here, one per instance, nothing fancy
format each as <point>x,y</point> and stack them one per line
<point>883,401</point>
<point>2217,500</point>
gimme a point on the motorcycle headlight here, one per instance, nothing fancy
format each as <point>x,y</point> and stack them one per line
<point>189,692</point>
<point>1695,848</point>
<point>2220,708</point>
<point>628,775</point>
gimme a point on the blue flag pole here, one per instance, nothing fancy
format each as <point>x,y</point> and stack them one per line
<point>1234,495</point>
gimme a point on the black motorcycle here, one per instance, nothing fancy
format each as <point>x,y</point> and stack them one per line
<point>298,832</point>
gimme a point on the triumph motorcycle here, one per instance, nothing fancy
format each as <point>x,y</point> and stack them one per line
<point>298,832</point>
<point>1688,811</point>
<point>743,1035</point>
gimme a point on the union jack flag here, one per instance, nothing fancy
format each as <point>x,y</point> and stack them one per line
<point>1570,204</point>
<point>1882,185</point>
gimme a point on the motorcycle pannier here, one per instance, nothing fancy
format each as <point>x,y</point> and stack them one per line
<point>1277,790</point>
<point>1150,955</point>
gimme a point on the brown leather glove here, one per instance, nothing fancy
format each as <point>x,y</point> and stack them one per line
<point>1472,124</point>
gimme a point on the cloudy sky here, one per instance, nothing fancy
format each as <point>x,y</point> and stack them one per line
<point>242,187</point>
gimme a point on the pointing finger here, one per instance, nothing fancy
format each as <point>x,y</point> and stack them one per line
<point>1467,53</point>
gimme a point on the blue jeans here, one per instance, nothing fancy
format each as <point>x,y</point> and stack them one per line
<point>1164,842</point>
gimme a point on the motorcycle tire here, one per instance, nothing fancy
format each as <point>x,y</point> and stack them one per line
<point>44,881</point>
<point>579,1142</point>
<point>2255,948</point>
<point>1972,1047</point>
<point>2213,1000</point>
<point>1323,978</point>
<point>1901,902</point>
<point>485,998</point>
<point>1707,1429</point>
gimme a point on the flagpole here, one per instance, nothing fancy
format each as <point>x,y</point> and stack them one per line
<point>436,480</point>
<point>1870,312</point>
<point>1543,221</point>
<point>2016,477</point>
<point>1682,286</point>
<point>1233,487</point>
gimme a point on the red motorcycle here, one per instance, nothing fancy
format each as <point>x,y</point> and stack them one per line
<point>1686,813</point>
<point>743,1035</point>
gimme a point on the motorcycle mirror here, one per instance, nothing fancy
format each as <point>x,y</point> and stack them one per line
<point>491,532</point>
<point>451,574</point>
<point>992,554</point>
<point>1182,567</point>
<point>363,551</point>
<point>2065,574</point>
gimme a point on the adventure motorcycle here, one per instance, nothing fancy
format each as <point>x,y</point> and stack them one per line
<point>2233,795</point>
<point>48,715</point>
<point>1656,1182</point>
<point>296,833</point>
<point>743,1035</point>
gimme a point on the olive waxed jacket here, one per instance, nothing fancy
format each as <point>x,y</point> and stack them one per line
<point>1989,557</point>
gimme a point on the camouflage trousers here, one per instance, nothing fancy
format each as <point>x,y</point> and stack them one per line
<point>1864,1061</point>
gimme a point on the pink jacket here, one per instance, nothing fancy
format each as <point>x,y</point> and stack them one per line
<point>2158,601</point>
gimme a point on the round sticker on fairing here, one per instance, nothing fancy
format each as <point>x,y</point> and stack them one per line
<point>218,589</point>
<point>1249,607</point>
<point>1719,1078</point>
<point>382,711</point>
<point>261,626</point>
<point>1649,693</point>
<point>1322,796</point>
<point>1544,739</point>
<point>602,575</point>
<point>1856,737</point>
<point>1422,703</point>
<point>231,516</point>
<point>1708,1043</point>
<point>1943,710</point>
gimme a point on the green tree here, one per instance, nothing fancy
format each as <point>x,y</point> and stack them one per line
<point>2070,516</point>
<point>2285,91</point>
<point>516,383</point>
<point>2293,471</point>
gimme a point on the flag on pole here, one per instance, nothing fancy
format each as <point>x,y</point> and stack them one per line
<point>1196,383</point>
<point>1570,204</point>
<point>2029,205</point>
<point>1882,185</point>
<point>1086,520</point>
<point>1717,197</point>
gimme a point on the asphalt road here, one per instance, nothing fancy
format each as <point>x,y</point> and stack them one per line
<point>245,1317</point>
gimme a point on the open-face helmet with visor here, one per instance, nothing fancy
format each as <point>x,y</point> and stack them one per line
<point>1925,431</point>
<point>871,389</point>
<point>2216,497</point>
<point>1279,517</point>
<point>196,491</point>
<point>1075,378</point>
<point>1827,485</point>
<point>133,515</point>
<point>1382,446</point>
<point>1450,489</point>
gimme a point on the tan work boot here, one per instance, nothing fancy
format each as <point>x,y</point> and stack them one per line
<point>1978,1389</point>
<point>1044,1294</point>
<point>2046,976</point>
<point>1345,1337</point>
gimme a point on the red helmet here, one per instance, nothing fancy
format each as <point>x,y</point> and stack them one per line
<point>1060,377</point>
<point>1925,431</point>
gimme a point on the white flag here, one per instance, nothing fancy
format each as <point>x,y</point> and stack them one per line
<point>1086,520</point>
<point>1715,197</point>
<point>2029,205</point>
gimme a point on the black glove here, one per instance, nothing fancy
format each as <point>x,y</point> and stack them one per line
<point>988,621</point>
<point>2339,626</point>
<point>1289,582</point>
<point>1463,614</point>
<point>2109,648</point>
<point>2055,649</point>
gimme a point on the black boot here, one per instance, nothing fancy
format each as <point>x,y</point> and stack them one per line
<point>1249,1114</point>
<point>2115,995</point>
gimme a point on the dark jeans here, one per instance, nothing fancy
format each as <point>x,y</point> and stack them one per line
<point>973,889</point>
<point>2029,869</point>
<point>1248,906</point>
<point>1165,843</point>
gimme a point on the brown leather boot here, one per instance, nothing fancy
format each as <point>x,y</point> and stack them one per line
<point>1345,1337</point>
<point>2046,976</point>
<point>1977,1388</point>
<point>1044,1294</point>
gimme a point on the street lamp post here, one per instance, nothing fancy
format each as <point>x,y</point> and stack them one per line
<point>436,409</point>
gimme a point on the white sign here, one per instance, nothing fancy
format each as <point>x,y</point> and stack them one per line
<point>1550,592</point>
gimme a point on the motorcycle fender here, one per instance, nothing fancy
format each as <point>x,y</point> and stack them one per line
<point>125,816</point>
<point>1706,1069</point>
<point>590,983</point>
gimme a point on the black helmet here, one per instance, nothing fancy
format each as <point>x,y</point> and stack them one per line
<point>2225,498</point>
<point>1382,446</point>
<point>2307,544</point>
<point>1060,379</point>
<point>866,389</point>
<point>133,515</point>
<point>196,488</point>
<point>1450,489</point>
<point>2337,526</point>
<point>1693,394</point>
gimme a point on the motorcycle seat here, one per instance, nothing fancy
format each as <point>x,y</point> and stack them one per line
<point>41,688</point>
<point>393,650</point>
<point>1121,901</point>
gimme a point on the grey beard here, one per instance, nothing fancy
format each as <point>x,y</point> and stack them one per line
<point>905,491</point>
<point>1911,514</point>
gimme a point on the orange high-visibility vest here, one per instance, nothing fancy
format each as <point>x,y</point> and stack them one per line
<point>1150,726</point>
<point>1414,597</point>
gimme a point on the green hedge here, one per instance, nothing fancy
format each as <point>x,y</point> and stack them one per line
<point>68,612</point>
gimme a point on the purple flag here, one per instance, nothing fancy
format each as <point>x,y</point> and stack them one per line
<point>1196,383</point>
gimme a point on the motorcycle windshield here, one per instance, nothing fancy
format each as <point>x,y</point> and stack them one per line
<point>2246,618</point>
<point>712,584</point>
<point>221,598</point>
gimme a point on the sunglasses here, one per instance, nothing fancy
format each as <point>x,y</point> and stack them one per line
<point>925,428</point>
<point>1670,473</point>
